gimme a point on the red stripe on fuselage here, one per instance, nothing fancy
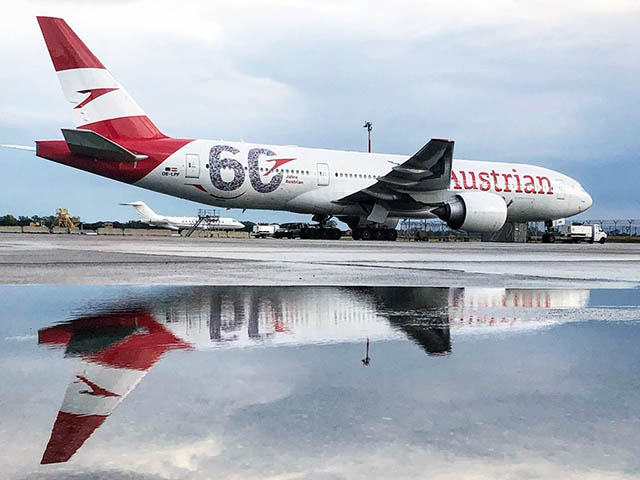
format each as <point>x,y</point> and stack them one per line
<point>66,49</point>
<point>129,172</point>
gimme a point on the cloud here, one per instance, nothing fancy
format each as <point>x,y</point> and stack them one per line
<point>533,81</point>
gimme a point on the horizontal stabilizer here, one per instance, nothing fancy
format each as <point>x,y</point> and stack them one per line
<point>92,144</point>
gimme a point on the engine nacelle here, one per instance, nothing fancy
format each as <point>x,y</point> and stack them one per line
<point>474,212</point>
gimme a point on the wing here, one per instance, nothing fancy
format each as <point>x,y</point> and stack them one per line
<point>426,171</point>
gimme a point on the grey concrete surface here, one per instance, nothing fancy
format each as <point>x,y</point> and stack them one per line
<point>104,260</point>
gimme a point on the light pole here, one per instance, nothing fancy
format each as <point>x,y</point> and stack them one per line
<point>369,127</point>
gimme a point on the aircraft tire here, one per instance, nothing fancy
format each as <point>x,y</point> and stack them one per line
<point>312,234</point>
<point>323,234</point>
<point>355,234</point>
<point>336,233</point>
<point>366,234</point>
<point>378,234</point>
<point>391,235</point>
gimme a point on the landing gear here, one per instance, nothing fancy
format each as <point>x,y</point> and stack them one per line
<point>365,234</point>
<point>313,233</point>
<point>391,235</point>
<point>379,234</point>
<point>323,230</point>
<point>361,229</point>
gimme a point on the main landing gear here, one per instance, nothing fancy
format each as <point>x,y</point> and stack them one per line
<point>366,233</point>
<point>365,230</point>
<point>323,231</point>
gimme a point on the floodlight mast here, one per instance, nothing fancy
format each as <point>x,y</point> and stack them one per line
<point>369,127</point>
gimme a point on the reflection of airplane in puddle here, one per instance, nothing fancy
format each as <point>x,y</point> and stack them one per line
<point>118,343</point>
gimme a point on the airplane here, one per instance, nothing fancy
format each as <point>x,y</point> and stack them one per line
<point>148,216</point>
<point>116,343</point>
<point>370,192</point>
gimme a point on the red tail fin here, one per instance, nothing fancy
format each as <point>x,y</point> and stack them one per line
<point>97,100</point>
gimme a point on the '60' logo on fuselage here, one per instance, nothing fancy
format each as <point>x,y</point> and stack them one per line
<point>217,164</point>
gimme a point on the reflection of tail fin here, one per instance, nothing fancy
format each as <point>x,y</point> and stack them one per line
<point>116,351</point>
<point>98,101</point>
<point>145,212</point>
<point>95,391</point>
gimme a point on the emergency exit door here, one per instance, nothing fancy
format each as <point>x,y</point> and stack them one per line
<point>323,174</point>
<point>192,163</point>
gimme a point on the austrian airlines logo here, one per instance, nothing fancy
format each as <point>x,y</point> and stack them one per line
<point>277,163</point>
<point>96,390</point>
<point>93,94</point>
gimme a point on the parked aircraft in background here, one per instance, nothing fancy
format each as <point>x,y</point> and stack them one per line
<point>117,344</point>
<point>150,217</point>
<point>369,191</point>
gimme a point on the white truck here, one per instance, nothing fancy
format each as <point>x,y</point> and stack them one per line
<point>579,232</point>
<point>264,230</point>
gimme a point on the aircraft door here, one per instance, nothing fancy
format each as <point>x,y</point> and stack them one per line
<point>192,165</point>
<point>323,174</point>
<point>560,189</point>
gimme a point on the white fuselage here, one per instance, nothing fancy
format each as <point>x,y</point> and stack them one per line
<point>177,223</point>
<point>308,180</point>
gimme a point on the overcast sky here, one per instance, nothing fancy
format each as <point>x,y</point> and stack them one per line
<point>543,82</point>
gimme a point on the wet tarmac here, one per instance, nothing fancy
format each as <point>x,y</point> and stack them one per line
<point>310,382</point>
<point>82,260</point>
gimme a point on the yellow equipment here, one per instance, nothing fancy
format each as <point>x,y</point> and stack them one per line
<point>64,220</point>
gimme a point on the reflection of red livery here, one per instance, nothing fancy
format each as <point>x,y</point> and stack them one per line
<point>117,348</point>
<point>116,352</point>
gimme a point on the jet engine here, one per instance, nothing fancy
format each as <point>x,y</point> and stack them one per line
<point>474,212</point>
